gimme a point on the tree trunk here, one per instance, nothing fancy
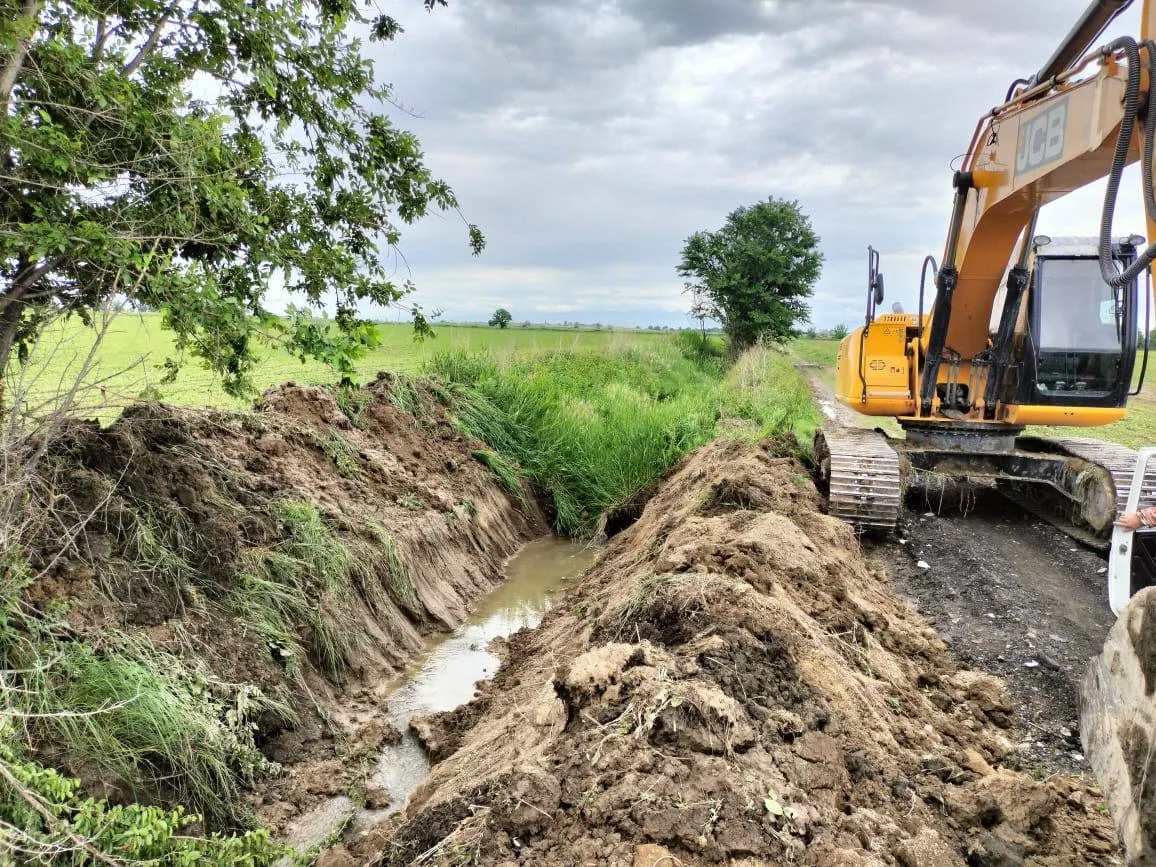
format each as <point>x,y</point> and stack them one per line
<point>14,63</point>
<point>10,315</point>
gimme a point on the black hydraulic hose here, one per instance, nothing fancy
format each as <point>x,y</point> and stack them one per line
<point>1147,333</point>
<point>1119,160</point>
<point>928,260</point>
<point>872,271</point>
<point>945,283</point>
<point>1149,135</point>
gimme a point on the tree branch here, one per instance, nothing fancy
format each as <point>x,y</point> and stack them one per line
<point>101,37</point>
<point>25,280</point>
<point>151,42</point>
<point>16,61</point>
<point>53,821</point>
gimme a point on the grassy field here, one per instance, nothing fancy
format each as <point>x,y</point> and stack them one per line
<point>136,345</point>
<point>1138,429</point>
<point>586,417</point>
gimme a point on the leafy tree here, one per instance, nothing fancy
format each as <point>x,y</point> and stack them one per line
<point>839,331</point>
<point>753,275</point>
<point>187,155</point>
<point>501,317</point>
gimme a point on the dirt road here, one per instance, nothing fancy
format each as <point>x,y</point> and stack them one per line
<point>1013,596</point>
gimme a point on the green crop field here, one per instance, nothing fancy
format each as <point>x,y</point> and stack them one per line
<point>1138,429</point>
<point>135,347</point>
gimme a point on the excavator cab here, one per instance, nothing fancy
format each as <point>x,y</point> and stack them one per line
<point>1081,332</point>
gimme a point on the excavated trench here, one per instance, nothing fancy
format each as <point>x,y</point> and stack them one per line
<point>735,682</point>
<point>443,677</point>
<point>732,680</point>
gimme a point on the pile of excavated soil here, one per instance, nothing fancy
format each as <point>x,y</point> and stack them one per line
<point>206,485</point>
<point>733,683</point>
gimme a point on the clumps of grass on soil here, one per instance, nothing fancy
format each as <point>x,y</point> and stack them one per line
<point>154,726</point>
<point>506,472</point>
<point>299,587</point>
<point>589,431</point>
<point>397,576</point>
<point>343,454</point>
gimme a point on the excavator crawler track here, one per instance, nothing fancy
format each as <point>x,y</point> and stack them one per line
<point>863,477</point>
<point>1118,460</point>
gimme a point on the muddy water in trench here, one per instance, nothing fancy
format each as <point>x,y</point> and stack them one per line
<point>443,677</point>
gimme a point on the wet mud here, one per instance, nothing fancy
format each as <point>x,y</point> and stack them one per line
<point>1014,596</point>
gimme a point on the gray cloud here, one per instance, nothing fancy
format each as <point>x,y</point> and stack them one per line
<point>588,138</point>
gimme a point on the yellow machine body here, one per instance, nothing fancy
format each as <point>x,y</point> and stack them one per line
<point>877,375</point>
<point>1047,140</point>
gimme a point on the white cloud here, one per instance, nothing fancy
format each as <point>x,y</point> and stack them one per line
<point>589,138</point>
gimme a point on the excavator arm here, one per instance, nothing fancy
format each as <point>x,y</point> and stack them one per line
<point>1080,118</point>
<point>1047,140</point>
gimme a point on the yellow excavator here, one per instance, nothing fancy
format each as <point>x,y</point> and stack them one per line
<point>1021,329</point>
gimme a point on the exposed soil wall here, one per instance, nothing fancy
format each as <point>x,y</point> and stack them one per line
<point>734,683</point>
<point>184,504</point>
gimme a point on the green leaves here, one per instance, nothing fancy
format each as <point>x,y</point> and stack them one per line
<point>755,273</point>
<point>191,155</point>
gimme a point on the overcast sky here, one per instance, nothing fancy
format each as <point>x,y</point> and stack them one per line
<point>589,138</point>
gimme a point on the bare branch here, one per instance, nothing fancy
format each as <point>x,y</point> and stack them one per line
<point>151,42</point>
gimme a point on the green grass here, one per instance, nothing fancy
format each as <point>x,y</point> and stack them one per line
<point>815,351</point>
<point>398,582</point>
<point>136,345</point>
<point>589,430</point>
<point>135,712</point>
<point>506,472</point>
<point>343,454</point>
<point>127,710</point>
<point>300,587</point>
<point>764,386</point>
<point>1136,430</point>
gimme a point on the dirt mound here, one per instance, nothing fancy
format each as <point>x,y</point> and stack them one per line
<point>304,549</point>
<point>733,683</point>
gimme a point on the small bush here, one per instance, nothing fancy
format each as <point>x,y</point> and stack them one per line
<point>130,710</point>
<point>700,347</point>
<point>48,819</point>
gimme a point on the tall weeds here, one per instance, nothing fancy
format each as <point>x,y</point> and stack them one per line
<point>590,430</point>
